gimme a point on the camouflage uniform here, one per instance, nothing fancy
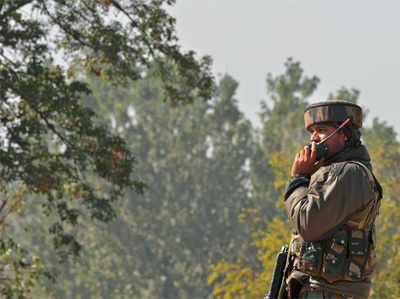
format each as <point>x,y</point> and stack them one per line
<point>333,213</point>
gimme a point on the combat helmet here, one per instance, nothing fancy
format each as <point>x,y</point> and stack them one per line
<point>333,111</point>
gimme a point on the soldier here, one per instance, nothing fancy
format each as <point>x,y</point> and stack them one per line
<point>332,205</point>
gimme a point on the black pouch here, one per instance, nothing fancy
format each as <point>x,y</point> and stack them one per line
<point>358,242</point>
<point>334,262</point>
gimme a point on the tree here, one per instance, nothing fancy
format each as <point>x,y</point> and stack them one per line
<point>237,279</point>
<point>51,144</point>
<point>194,160</point>
<point>281,135</point>
<point>282,130</point>
<point>384,149</point>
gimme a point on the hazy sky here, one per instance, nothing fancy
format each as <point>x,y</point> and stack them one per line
<point>351,43</point>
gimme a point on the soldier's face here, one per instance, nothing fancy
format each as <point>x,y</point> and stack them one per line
<point>319,132</point>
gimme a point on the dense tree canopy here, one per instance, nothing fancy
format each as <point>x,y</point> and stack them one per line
<point>51,144</point>
<point>161,245</point>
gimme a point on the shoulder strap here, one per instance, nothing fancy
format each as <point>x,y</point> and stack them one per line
<point>372,208</point>
<point>370,174</point>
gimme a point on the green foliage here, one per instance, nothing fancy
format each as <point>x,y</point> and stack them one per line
<point>343,93</point>
<point>282,130</point>
<point>51,144</point>
<point>113,39</point>
<point>283,124</point>
<point>19,270</point>
<point>235,279</point>
<point>194,160</point>
<point>282,133</point>
<point>384,149</point>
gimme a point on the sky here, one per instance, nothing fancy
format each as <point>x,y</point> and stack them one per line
<point>355,44</point>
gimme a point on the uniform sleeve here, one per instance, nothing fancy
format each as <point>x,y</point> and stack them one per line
<point>296,181</point>
<point>334,194</point>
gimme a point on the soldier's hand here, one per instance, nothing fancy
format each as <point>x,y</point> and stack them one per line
<point>304,162</point>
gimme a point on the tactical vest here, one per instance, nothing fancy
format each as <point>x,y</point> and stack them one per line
<point>349,254</point>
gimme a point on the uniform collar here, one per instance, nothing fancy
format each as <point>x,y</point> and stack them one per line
<point>359,153</point>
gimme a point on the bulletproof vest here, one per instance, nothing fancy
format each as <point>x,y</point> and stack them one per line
<point>349,254</point>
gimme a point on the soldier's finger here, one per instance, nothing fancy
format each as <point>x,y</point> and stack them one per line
<point>306,153</point>
<point>301,157</point>
<point>313,151</point>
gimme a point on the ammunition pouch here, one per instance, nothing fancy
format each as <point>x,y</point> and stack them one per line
<point>348,255</point>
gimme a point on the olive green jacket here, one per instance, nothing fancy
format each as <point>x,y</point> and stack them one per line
<point>319,204</point>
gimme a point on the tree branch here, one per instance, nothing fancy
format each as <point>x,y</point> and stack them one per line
<point>10,208</point>
<point>120,8</point>
<point>3,204</point>
<point>66,29</point>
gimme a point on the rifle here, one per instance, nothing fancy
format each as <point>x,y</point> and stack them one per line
<point>277,276</point>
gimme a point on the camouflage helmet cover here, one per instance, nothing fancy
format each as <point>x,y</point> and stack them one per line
<point>332,111</point>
